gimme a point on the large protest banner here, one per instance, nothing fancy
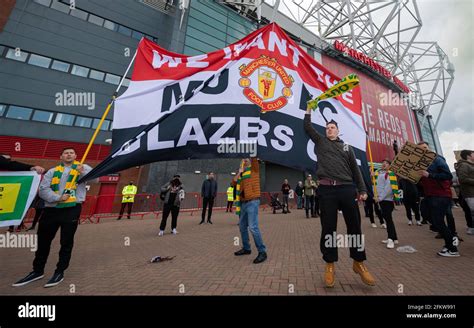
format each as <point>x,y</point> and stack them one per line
<point>17,191</point>
<point>410,160</point>
<point>255,90</point>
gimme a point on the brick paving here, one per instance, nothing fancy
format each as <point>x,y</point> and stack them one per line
<point>102,264</point>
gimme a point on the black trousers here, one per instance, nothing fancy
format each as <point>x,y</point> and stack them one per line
<point>412,204</point>
<point>229,206</point>
<point>387,207</point>
<point>332,199</point>
<point>38,213</point>
<point>207,201</point>
<point>438,206</point>
<point>450,219</point>
<point>285,202</point>
<point>129,209</point>
<point>316,205</point>
<point>424,210</point>
<point>372,207</point>
<point>67,219</point>
<point>167,209</point>
<point>309,204</point>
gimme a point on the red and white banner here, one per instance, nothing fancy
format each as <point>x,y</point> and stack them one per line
<point>255,90</point>
<point>386,117</point>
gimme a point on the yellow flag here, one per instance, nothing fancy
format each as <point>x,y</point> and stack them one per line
<point>346,84</point>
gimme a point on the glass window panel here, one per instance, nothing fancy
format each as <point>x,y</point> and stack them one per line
<point>137,35</point>
<point>112,79</point>
<point>21,113</point>
<point>96,20</point>
<point>84,122</point>
<point>79,14</point>
<point>60,66</point>
<point>80,70</point>
<point>43,2</point>
<point>60,6</point>
<point>124,30</point>
<point>105,125</point>
<point>64,119</point>
<point>40,61</point>
<point>42,116</point>
<point>110,25</point>
<point>96,75</point>
<point>126,82</point>
<point>17,55</point>
<point>2,109</point>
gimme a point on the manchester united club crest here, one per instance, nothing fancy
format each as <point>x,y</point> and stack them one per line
<point>273,83</point>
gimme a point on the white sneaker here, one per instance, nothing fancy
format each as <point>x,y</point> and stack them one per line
<point>383,226</point>
<point>386,241</point>
<point>447,253</point>
<point>418,223</point>
<point>470,231</point>
<point>374,225</point>
<point>390,243</point>
<point>161,233</point>
<point>410,222</point>
<point>174,231</point>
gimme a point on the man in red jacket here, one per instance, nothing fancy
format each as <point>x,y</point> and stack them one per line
<point>436,183</point>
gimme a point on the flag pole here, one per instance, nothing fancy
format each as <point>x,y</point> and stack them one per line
<point>372,178</point>
<point>106,112</point>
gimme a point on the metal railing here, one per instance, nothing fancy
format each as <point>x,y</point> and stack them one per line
<point>97,208</point>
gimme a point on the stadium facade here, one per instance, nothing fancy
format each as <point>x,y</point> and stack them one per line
<point>61,63</point>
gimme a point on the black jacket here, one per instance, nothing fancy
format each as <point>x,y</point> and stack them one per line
<point>410,190</point>
<point>299,190</point>
<point>336,160</point>
<point>8,165</point>
<point>209,188</point>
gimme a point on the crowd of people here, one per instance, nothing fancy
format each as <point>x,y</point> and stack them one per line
<point>338,188</point>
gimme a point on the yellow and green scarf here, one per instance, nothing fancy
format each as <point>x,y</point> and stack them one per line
<point>245,175</point>
<point>70,188</point>
<point>393,183</point>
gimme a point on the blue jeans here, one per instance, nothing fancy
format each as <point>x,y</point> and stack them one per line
<point>299,201</point>
<point>249,220</point>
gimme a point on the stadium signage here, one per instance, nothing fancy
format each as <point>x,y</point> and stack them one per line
<point>339,46</point>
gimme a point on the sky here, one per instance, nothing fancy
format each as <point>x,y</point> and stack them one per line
<point>448,22</point>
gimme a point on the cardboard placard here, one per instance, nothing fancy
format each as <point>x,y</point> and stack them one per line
<point>411,159</point>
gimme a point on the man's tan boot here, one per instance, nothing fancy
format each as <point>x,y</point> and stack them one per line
<point>329,278</point>
<point>365,275</point>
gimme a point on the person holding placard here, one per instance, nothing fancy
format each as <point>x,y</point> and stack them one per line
<point>436,182</point>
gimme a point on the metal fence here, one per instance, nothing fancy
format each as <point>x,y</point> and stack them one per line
<point>100,207</point>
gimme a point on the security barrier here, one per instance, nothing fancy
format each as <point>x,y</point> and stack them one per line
<point>100,207</point>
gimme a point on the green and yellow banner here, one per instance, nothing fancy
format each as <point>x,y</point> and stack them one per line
<point>17,191</point>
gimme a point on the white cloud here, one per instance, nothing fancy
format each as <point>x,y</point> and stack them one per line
<point>455,140</point>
